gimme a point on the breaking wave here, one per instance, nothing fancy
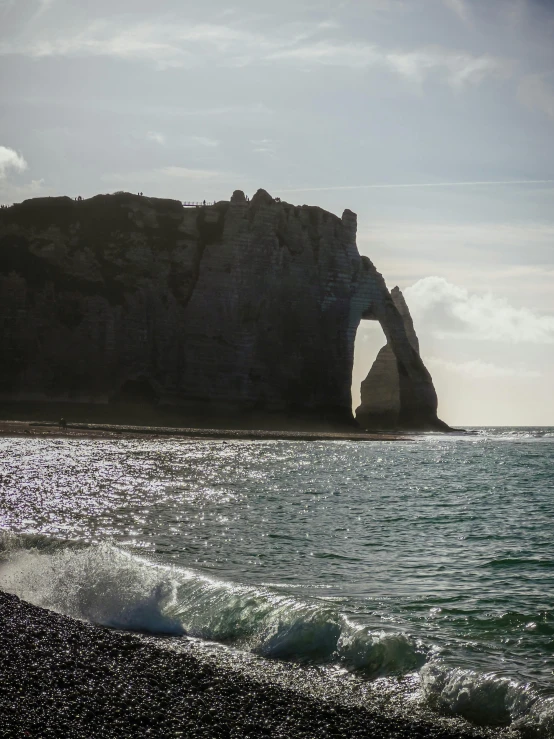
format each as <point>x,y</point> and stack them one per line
<point>487,699</point>
<point>112,587</point>
<point>523,433</point>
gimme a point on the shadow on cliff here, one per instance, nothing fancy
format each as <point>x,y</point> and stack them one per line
<point>239,314</point>
<point>128,411</point>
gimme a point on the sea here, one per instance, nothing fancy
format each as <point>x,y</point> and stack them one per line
<point>423,565</point>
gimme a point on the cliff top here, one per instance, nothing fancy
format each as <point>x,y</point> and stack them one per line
<point>41,212</point>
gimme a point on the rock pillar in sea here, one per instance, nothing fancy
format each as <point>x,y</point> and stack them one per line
<point>398,391</point>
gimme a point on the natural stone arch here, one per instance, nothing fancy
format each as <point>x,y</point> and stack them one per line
<point>398,391</point>
<point>367,345</point>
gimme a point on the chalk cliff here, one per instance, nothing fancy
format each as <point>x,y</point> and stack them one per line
<point>228,308</point>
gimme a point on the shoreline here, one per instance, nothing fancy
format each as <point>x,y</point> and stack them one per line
<point>50,429</point>
<point>67,678</point>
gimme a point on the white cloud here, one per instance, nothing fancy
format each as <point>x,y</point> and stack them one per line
<point>193,174</point>
<point>159,138</point>
<point>457,234</point>
<point>187,45</point>
<point>477,369</point>
<point>411,185</point>
<point>496,245</point>
<point>264,146</point>
<point>163,175</point>
<point>331,54</point>
<point>204,141</point>
<point>10,160</point>
<point>456,67</point>
<point>517,258</point>
<point>450,310</point>
<point>536,94</point>
<point>164,44</point>
<point>43,6</point>
<point>460,8</point>
<point>10,193</point>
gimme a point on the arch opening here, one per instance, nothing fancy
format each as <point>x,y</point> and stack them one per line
<point>370,339</point>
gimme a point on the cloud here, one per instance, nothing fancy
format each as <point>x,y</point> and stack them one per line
<point>536,94</point>
<point>477,369</point>
<point>407,250</point>
<point>10,193</point>
<point>264,146</point>
<point>202,141</point>
<point>457,68</point>
<point>188,141</point>
<point>400,185</point>
<point>10,160</point>
<point>193,174</point>
<point>452,311</point>
<point>188,45</point>
<point>460,8</point>
<point>165,44</point>
<point>159,138</point>
<point>331,54</point>
<point>43,6</point>
<point>457,234</point>
<point>165,175</point>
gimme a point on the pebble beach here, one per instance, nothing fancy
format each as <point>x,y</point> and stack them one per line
<point>61,677</point>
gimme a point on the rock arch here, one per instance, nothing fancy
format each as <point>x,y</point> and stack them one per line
<point>398,391</point>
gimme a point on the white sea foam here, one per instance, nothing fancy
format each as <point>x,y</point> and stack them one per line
<point>482,698</point>
<point>100,584</point>
<point>379,653</point>
<point>109,586</point>
<point>540,719</point>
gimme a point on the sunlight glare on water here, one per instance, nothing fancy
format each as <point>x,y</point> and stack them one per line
<point>442,544</point>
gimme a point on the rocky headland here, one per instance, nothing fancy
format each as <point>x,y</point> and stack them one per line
<point>219,311</point>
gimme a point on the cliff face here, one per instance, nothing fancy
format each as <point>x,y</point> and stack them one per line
<point>232,307</point>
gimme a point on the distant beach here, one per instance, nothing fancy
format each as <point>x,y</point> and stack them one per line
<point>110,431</point>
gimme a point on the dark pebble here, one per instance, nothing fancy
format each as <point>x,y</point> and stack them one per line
<point>64,678</point>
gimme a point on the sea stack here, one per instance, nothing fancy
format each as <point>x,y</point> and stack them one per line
<point>224,309</point>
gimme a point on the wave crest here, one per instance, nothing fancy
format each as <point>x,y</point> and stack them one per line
<point>483,698</point>
<point>111,587</point>
<point>377,654</point>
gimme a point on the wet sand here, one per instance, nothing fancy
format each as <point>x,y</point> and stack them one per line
<point>63,678</point>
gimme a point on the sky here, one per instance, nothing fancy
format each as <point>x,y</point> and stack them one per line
<point>433,120</point>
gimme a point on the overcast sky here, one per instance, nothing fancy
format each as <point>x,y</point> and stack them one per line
<point>433,120</point>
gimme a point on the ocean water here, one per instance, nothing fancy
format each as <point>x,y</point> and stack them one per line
<point>427,562</point>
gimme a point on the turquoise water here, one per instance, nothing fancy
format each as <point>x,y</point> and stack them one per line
<point>432,557</point>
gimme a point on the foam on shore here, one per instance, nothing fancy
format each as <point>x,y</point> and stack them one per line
<point>62,677</point>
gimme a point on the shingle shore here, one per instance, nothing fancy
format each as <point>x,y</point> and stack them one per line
<point>64,678</point>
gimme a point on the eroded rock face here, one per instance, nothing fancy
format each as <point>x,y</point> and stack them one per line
<point>390,398</point>
<point>237,306</point>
